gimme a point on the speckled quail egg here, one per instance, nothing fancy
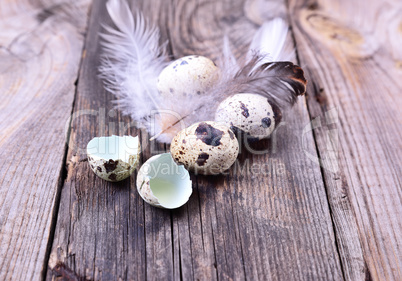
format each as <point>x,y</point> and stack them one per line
<point>251,114</point>
<point>162,183</point>
<point>113,158</point>
<point>187,76</point>
<point>207,148</point>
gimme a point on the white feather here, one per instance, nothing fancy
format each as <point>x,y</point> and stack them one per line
<point>131,62</point>
<point>133,59</point>
<point>269,42</point>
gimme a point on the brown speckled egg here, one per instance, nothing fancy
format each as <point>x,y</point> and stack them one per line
<point>249,113</point>
<point>207,148</point>
<point>187,76</point>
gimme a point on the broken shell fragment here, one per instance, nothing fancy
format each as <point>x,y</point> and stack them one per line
<point>162,183</point>
<point>113,158</point>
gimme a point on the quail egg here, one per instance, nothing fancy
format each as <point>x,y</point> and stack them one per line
<point>187,76</point>
<point>207,148</point>
<point>162,183</point>
<point>249,113</point>
<point>113,158</point>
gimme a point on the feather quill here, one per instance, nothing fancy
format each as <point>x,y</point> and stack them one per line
<point>133,59</point>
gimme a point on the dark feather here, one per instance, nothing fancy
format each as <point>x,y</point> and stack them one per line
<point>281,82</point>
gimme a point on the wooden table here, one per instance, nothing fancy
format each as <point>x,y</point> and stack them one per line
<point>279,215</point>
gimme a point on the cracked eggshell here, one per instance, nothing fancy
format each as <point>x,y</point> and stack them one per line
<point>187,76</point>
<point>249,113</point>
<point>162,183</point>
<point>113,158</point>
<point>208,148</point>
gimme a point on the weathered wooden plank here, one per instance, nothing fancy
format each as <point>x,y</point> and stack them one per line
<point>270,213</point>
<point>267,219</point>
<point>105,231</point>
<point>40,51</point>
<point>349,50</point>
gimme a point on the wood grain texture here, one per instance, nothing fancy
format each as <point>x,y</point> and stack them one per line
<point>105,231</point>
<point>40,50</point>
<point>349,51</point>
<point>267,219</point>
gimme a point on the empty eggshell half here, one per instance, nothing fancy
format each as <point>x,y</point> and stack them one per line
<point>113,158</point>
<point>162,183</point>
